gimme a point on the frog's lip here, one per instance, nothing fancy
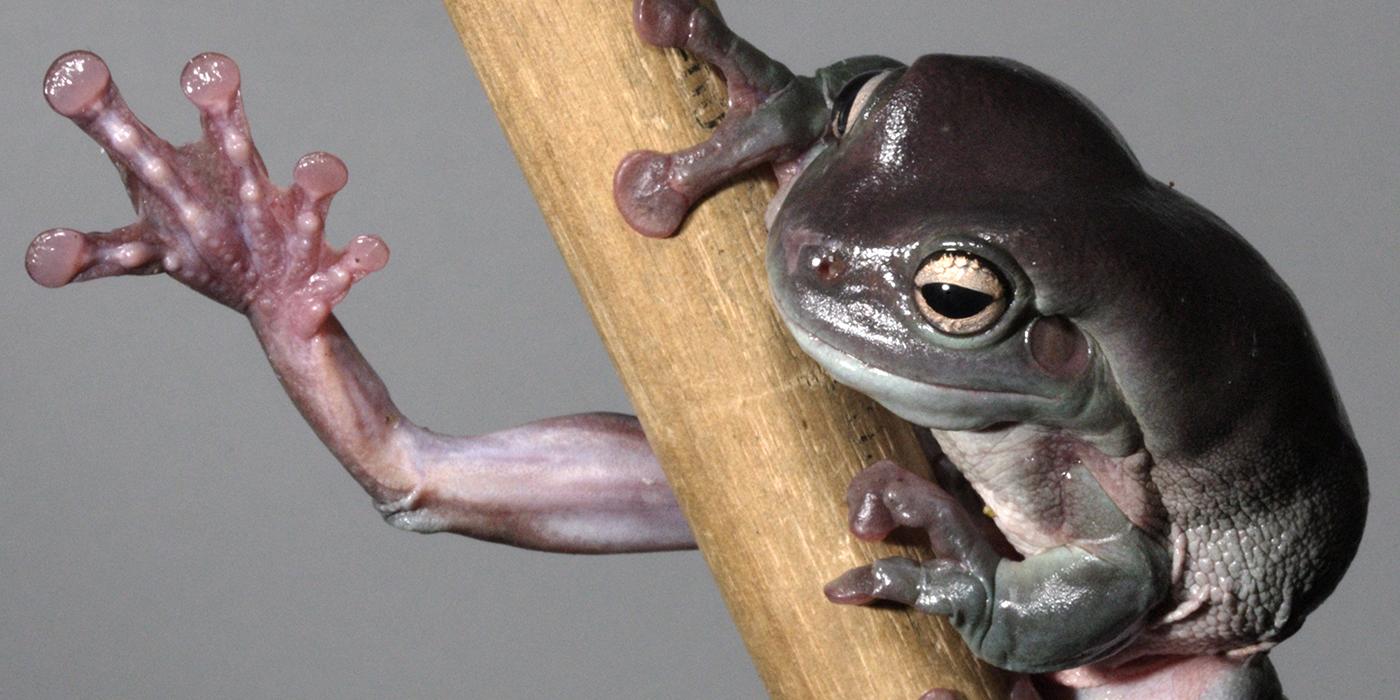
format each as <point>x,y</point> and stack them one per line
<point>926,404</point>
<point>843,365</point>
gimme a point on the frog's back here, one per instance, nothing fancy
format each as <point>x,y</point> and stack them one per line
<point>1262,528</point>
<point>1259,473</point>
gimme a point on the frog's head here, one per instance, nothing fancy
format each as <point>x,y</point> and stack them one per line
<point>973,241</point>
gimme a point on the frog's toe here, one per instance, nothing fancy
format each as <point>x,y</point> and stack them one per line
<point>209,215</point>
<point>663,23</point>
<point>885,495</point>
<point>937,587</point>
<point>59,256</point>
<point>646,197</point>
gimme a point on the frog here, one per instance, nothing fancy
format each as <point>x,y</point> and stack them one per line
<point>1144,478</point>
<point>1124,426</point>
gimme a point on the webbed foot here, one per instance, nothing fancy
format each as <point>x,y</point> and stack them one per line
<point>208,215</point>
<point>772,116</point>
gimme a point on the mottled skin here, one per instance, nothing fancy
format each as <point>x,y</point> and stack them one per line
<point>1174,483</point>
<point>1149,418</point>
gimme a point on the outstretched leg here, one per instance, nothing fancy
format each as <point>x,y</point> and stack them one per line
<point>209,216</point>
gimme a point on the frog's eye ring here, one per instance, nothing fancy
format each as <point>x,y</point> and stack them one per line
<point>852,99</point>
<point>960,293</point>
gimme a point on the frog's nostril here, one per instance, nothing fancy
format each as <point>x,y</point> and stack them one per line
<point>808,253</point>
<point>826,263</point>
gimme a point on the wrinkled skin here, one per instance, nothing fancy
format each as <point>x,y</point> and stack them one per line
<point>1141,407</point>
<point>1173,481</point>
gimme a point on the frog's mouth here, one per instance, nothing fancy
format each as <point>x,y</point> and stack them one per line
<point>927,404</point>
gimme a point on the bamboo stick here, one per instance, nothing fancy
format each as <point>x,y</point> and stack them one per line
<point>757,441</point>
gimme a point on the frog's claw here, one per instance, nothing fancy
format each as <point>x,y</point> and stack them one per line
<point>773,116</point>
<point>208,214</point>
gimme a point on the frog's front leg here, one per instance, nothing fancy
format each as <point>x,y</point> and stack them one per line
<point>1058,609</point>
<point>209,216</point>
<point>773,116</point>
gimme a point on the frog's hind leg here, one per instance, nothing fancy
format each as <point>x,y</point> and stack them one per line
<point>772,116</point>
<point>585,483</point>
<point>1177,678</point>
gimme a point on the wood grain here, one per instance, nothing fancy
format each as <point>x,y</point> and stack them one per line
<point>757,441</point>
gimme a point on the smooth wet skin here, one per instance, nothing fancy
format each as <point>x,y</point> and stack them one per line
<point>1144,477</point>
<point>209,215</point>
<point>1130,391</point>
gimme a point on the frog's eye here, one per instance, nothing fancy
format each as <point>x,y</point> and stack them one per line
<point>960,293</point>
<point>847,106</point>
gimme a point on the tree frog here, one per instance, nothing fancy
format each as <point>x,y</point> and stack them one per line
<point>963,239</point>
<point>1146,480</point>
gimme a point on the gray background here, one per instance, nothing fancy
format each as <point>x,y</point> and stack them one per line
<point>169,527</point>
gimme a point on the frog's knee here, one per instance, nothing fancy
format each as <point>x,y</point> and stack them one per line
<point>408,513</point>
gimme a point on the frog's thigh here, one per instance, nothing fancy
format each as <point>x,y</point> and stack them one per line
<point>1203,677</point>
<point>1068,606</point>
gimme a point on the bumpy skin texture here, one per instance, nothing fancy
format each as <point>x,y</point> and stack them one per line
<point>1146,414</point>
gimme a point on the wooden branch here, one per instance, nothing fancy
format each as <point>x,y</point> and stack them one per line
<point>757,441</point>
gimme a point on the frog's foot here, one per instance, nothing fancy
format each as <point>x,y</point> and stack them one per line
<point>884,497</point>
<point>207,213</point>
<point>1064,607</point>
<point>773,116</point>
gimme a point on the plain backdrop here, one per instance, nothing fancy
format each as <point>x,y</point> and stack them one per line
<point>170,528</point>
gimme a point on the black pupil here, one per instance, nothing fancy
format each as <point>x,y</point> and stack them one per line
<point>841,106</point>
<point>954,301</point>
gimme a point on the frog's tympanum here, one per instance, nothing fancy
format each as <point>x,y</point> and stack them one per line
<point>1146,480</point>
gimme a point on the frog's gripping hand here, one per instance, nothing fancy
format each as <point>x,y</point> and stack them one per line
<point>1101,591</point>
<point>773,116</point>
<point>208,216</point>
<point>207,213</point>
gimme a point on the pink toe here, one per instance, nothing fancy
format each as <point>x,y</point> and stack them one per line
<point>57,256</point>
<point>210,80</point>
<point>664,23</point>
<point>852,587</point>
<point>76,82</point>
<point>870,519</point>
<point>367,254</point>
<point>320,174</point>
<point>644,195</point>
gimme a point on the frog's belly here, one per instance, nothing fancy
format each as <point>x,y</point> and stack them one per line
<point>1046,489</point>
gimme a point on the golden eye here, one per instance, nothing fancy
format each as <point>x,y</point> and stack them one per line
<point>960,293</point>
